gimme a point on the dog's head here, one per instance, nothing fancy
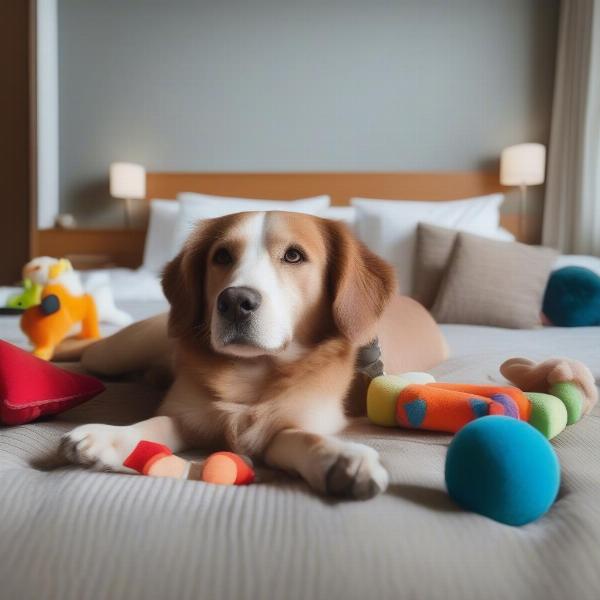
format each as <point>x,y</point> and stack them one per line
<point>264,283</point>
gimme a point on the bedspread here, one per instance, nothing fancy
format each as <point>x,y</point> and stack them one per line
<point>69,533</point>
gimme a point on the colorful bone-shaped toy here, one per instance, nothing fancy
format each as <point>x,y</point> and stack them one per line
<point>415,400</point>
<point>157,460</point>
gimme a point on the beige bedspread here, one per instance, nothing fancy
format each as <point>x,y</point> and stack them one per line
<point>73,534</point>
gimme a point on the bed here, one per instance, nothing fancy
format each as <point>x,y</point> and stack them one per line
<point>69,533</point>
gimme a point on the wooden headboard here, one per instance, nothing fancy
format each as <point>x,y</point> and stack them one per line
<point>125,247</point>
<point>341,187</point>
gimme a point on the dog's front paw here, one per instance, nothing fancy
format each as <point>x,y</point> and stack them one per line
<point>351,470</point>
<point>102,447</point>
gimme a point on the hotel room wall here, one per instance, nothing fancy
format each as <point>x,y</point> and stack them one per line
<point>268,85</point>
<point>17,135</point>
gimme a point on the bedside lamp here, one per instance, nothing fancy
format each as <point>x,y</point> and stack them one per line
<point>523,165</point>
<point>127,181</point>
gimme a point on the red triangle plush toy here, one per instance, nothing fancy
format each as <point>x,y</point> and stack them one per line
<point>31,388</point>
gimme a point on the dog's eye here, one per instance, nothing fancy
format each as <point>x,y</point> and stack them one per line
<point>293,255</point>
<point>222,257</point>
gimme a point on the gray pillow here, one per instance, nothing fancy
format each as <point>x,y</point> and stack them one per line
<point>496,283</point>
<point>434,247</point>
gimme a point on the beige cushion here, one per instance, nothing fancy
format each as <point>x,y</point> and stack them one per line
<point>434,247</point>
<point>489,282</point>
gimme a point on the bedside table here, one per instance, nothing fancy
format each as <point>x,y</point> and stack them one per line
<point>86,262</point>
<point>93,248</point>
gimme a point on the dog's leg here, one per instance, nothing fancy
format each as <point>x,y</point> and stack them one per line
<point>135,348</point>
<point>329,465</point>
<point>105,447</point>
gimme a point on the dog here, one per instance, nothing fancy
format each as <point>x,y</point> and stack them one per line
<point>268,311</point>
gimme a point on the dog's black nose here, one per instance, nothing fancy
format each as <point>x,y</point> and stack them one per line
<point>238,303</point>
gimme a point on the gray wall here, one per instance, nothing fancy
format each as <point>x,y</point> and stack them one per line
<point>296,85</point>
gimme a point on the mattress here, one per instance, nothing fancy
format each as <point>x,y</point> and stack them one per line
<point>67,533</point>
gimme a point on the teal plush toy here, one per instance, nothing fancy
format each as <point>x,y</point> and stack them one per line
<point>503,469</point>
<point>572,298</point>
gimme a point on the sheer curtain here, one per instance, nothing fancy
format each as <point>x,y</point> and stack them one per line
<point>572,204</point>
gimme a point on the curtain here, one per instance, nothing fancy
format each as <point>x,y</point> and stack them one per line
<point>572,203</point>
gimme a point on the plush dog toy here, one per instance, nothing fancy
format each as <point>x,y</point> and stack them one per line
<point>48,323</point>
<point>553,394</point>
<point>45,270</point>
<point>157,460</point>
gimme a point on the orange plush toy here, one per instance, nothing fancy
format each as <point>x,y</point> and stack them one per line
<point>48,323</point>
<point>223,468</point>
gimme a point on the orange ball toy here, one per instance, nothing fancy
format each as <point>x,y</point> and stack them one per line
<point>222,468</point>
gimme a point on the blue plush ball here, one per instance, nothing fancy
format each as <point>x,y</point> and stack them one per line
<point>502,468</point>
<point>572,297</point>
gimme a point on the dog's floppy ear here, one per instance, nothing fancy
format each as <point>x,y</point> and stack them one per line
<point>361,284</point>
<point>183,285</point>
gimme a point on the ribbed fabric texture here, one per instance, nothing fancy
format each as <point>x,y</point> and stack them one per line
<point>73,534</point>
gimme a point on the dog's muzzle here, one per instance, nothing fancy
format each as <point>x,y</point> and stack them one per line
<point>238,304</point>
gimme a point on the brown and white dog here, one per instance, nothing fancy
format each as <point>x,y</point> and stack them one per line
<point>268,311</point>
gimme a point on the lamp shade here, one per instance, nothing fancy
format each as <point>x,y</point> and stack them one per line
<point>127,180</point>
<point>523,164</point>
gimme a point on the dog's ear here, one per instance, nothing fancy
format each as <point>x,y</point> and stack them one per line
<point>178,290</point>
<point>361,284</point>
<point>183,285</point>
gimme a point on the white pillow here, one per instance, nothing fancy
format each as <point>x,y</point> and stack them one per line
<point>129,285</point>
<point>159,237</point>
<point>195,207</point>
<point>578,260</point>
<point>347,214</point>
<point>504,235</point>
<point>389,227</point>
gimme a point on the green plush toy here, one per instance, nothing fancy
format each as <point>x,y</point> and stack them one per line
<point>30,296</point>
